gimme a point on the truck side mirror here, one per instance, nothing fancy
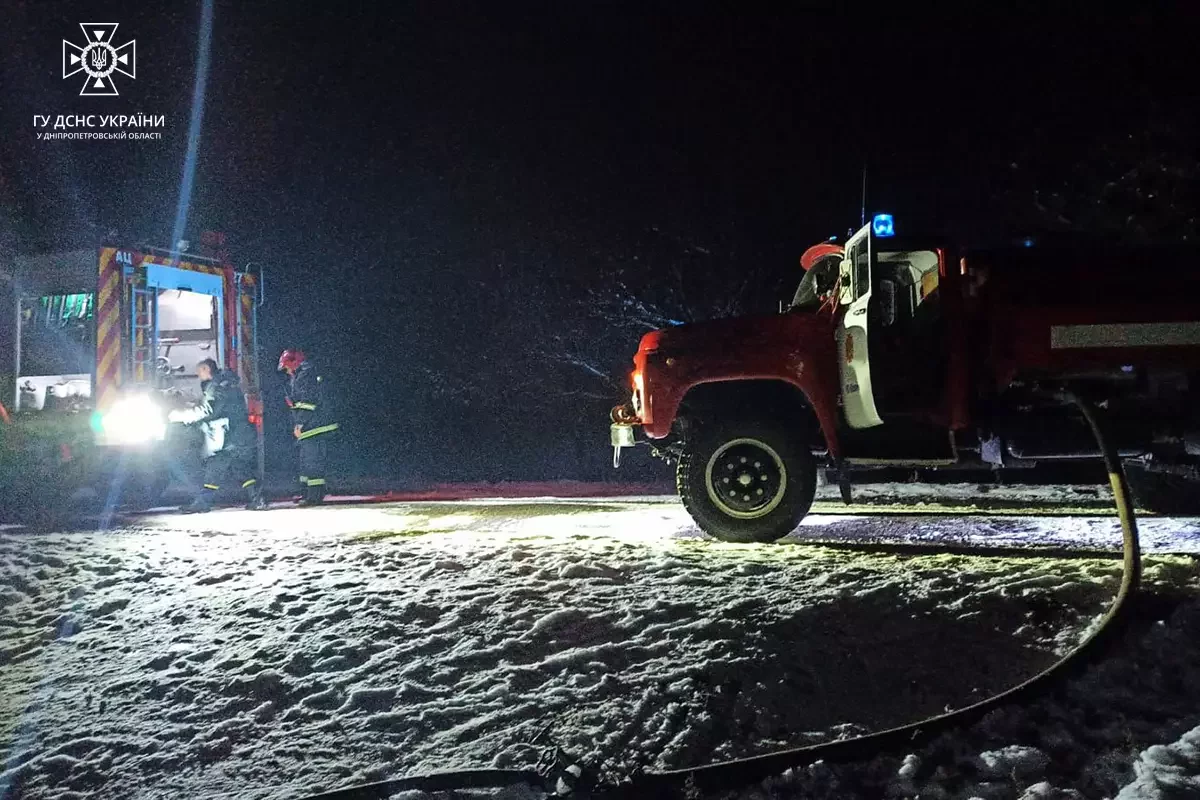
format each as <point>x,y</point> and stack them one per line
<point>887,302</point>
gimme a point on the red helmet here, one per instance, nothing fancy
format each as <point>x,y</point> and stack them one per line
<point>818,252</point>
<point>291,359</point>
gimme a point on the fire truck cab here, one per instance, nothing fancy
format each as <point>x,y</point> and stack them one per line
<point>105,343</point>
<point>908,351</point>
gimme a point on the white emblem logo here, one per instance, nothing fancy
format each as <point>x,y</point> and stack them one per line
<point>99,58</point>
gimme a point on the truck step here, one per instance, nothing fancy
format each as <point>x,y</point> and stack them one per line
<point>899,440</point>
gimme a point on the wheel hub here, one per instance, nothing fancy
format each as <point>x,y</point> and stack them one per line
<point>746,478</point>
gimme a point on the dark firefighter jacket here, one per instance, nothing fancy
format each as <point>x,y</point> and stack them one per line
<point>306,398</point>
<point>221,414</point>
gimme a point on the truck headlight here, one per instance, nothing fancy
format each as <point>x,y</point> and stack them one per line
<point>135,419</point>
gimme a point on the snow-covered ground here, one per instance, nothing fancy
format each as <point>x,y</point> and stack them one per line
<point>272,654</point>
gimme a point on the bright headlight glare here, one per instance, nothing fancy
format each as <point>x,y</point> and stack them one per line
<point>133,420</point>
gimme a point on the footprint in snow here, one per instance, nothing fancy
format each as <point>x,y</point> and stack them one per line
<point>159,663</point>
<point>208,580</point>
<point>111,606</point>
<point>327,700</point>
<point>59,765</point>
<point>587,571</point>
<point>298,665</point>
<point>334,664</point>
<point>441,566</point>
<point>339,614</point>
<point>380,699</point>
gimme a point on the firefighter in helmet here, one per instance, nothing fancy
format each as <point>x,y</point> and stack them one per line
<point>230,441</point>
<point>312,423</point>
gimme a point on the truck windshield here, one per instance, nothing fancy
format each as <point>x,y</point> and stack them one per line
<point>56,334</point>
<point>818,282</point>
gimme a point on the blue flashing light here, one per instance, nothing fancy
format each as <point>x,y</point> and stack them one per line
<point>881,225</point>
<point>1027,242</point>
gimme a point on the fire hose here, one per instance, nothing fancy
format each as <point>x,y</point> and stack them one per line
<point>559,777</point>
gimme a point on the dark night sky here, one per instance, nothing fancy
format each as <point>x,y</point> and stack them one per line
<point>388,161</point>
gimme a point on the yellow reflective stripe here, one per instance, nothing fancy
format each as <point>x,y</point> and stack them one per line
<point>322,429</point>
<point>250,482</point>
<point>107,360</point>
<point>304,406</point>
<point>316,481</point>
<point>211,486</point>
<point>106,290</point>
<point>107,321</point>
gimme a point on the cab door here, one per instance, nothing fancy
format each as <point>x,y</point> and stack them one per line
<point>854,362</point>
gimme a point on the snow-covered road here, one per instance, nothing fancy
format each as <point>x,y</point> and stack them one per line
<point>272,654</point>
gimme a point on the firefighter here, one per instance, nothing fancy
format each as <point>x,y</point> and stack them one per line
<point>230,441</point>
<point>312,424</point>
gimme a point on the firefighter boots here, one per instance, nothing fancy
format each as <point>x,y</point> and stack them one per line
<point>254,498</point>
<point>202,503</point>
<point>314,494</point>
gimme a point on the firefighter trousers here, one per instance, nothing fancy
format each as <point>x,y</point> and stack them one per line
<point>238,464</point>
<point>312,467</point>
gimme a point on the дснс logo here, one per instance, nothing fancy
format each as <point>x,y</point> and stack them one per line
<point>99,58</point>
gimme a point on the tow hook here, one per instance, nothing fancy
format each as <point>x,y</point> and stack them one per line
<point>621,432</point>
<point>621,435</point>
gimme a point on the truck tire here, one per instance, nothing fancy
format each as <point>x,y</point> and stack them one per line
<point>1163,492</point>
<point>746,481</point>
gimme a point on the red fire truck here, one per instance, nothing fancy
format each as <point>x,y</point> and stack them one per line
<point>905,351</point>
<point>105,343</point>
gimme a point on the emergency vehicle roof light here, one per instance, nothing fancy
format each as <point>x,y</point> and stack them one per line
<point>881,225</point>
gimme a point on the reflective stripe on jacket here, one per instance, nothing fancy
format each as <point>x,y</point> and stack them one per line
<point>307,400</point>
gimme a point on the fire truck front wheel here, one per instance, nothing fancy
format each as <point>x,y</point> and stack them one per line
<point>746,481</point>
